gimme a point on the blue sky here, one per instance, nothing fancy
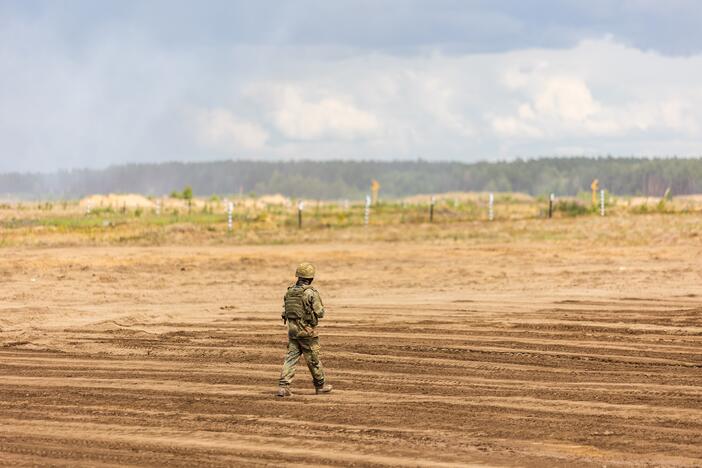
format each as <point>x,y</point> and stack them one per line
<point>91,84</point>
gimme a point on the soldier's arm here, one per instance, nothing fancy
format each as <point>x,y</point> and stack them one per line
<point>316,304</point>
<point>282,313</point>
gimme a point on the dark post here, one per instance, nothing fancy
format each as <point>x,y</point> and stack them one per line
<point>431,210</point>
<point>299,218</point>
<point>550,206</point>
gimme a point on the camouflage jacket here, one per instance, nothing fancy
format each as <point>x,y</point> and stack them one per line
<point>312,302</point>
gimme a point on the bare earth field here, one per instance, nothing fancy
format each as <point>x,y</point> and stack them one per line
<point>579,346</point>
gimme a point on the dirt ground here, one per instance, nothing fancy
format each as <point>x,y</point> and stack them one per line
<point>577,351</point>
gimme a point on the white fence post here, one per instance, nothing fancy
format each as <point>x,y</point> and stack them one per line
<point>230,211</point>
<point>366,217</point>
<point>300,207</point>
<point>491,209</point>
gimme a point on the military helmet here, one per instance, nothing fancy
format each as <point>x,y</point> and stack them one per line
<point>305,270</point>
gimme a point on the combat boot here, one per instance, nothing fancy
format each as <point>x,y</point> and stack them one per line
<point>283,392</point>
<point>323,389</point>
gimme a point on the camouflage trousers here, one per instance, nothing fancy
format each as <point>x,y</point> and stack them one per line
<point>309,347</point>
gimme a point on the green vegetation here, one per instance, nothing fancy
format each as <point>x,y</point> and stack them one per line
<point>186,194</point>
<point>464,219</point>
<point>573,208</point>
<point>347,179</point>
<point>659,207</point>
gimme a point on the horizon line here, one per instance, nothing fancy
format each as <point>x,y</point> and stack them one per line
<point>346,160</point>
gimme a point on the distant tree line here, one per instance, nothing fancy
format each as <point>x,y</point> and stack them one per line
<point>351,179</point>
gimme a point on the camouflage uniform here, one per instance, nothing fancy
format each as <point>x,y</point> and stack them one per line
<point>303,307</point>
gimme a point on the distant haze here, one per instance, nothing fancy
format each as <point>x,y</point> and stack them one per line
<point>351,179</point>
<point>96,83</point>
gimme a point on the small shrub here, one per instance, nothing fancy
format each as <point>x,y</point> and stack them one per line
<point>100,211</point>
<point>186,194</point>
<point>660,207</point>
<point>571,208</point>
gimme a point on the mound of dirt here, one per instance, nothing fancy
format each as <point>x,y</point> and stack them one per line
<point>264,201</point>
<point>276,199</point>
<point>112,200</point>
<point>467,196</point>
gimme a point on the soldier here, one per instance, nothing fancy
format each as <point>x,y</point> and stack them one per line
<point>302,310</point>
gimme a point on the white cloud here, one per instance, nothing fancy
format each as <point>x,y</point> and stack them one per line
<point>312,114</point>
<point>680,115</point>
<point>566,98</point>
<point>124,98</point>
<point>511,126</point>
<point>221,130</point>
<point>603,90</point>
<point>600,95</point>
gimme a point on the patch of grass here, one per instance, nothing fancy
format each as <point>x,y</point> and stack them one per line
<point>324,221</point>
<point>658,208</point>
<point>572,208</point>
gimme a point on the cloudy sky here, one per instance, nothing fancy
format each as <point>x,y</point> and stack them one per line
<point>94,83</point>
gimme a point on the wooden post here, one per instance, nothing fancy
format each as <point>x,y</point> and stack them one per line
<point>594,186</point>
<point>375,189</point>
<point>550,205</point>
<point>431,209</point>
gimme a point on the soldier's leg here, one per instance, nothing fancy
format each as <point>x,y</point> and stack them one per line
<point>310,348</point>
<point>291,358</point>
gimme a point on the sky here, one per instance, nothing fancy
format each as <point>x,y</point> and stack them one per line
<point>89,84</point>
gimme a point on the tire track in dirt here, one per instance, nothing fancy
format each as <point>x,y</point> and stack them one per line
<point>425,376</point>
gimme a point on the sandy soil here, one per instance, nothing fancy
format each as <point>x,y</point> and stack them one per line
<point>526,353</point>
<point>130,200</point>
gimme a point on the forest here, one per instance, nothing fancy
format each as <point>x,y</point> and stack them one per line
<point>350,179</point>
